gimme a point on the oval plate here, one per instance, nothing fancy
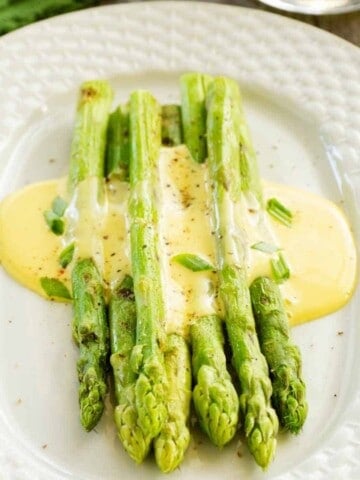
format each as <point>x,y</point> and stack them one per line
<point>302,98</point>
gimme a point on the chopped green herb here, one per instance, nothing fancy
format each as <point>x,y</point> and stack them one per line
<point>280,269</point>
<point>67,255</point>
<point>279,212</point>
<point>265,247</point>
<point>54,288</point>
<point>55,223</point>
<point>59,206</point>
<point>193,262</point>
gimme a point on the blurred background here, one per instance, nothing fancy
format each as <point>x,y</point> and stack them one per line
<point>17,13</point>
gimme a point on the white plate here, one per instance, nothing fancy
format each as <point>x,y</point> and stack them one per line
<point>302,96</point>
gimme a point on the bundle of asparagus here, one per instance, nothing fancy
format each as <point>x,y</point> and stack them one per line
<point>152,368</point>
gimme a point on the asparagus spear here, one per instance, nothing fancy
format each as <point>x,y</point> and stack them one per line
<point>91,332</point>
<point>122,316</point>
<point>170,446</point>
<point>215,398</point>
<point>171,128</point>
<point>281,354</point>
<point>260,420</point>
<point>147,357</point>
<point>117,145</point>
<point>90,326</point>
<point>283,357</point>
<point>193,91</point>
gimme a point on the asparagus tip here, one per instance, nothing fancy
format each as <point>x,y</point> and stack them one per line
<point>171,446</point>
<point>91,399</point>
<point>295,408</point>
<point>90,414</point>
<point>216,403</point>
<point>264,453</point>
<point>133,439</point>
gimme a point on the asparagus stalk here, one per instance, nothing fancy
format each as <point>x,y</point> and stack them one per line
<point>117,145</point>
<point>90,327</point>
<point>282,355</point>
<point>122,316</point>
<point>170,446</point>
<point>260,420</point>
<point>215,398</point>
<point>193,88</point>
<point>147,357</point>
<point>250,177</point>
<point>171,128</point>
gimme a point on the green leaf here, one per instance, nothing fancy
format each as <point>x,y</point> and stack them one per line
<point>265,247</point>
<point>67,255</point>
<point>193,262</point>
<point>278,211</point>
<point>59,206</point>
<point>55,223</point>
<point>280,269</point>
<point>54,288</point>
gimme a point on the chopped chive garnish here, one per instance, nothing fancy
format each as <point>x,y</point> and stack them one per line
<point>54,288</point>
<point>265,247</point>
<point>59,206</point>
<point>193,262</point>
<point>55,223</point>
<point>280,269</point>
<point>279,212</point>
<point>67,255</point>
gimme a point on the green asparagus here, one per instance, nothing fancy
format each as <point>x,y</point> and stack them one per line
<point>122,317</point>
<point>193,88</point>
<point>90,326</point>
<point>170,446</point>
<point>91,333</point>
<point>215,398</point>
<point>117,145</point>
<point>260,420</point>
<point>147,358</point>
<point>281,354</point>
<point>171,128</point>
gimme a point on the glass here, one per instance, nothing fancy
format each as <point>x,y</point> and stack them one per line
<point>315,7</point>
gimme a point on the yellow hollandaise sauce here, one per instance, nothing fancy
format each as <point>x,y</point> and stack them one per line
<point>318,247</point>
